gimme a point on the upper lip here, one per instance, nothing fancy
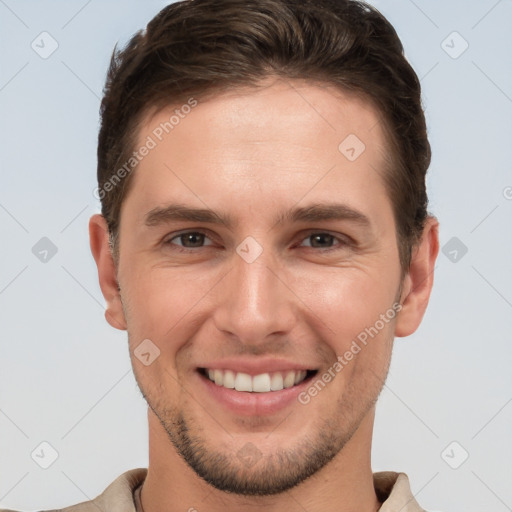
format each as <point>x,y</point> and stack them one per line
<point>254,366</point>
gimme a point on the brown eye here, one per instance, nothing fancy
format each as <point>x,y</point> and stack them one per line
<point>323,241</point>
<point>189,240</point>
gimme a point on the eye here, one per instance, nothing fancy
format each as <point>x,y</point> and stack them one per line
<point>189,240</point>
<point>314,240</point>
<point>320,240</point>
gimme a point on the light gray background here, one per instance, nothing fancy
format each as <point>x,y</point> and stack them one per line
<point>65,374</point>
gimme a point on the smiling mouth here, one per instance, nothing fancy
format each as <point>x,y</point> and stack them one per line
<point>262,383</point>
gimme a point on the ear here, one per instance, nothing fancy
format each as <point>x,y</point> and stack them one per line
<point>418,280</point>
<point>99,240</point>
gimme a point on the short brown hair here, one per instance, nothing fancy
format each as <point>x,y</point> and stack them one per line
<point>200,47</point>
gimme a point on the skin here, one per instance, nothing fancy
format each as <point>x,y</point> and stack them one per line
<point>253,154</point>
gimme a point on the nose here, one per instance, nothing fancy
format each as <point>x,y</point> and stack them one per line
<point>255,302</point>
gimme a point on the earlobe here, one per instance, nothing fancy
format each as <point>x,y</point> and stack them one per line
<point>419,280</point>
<point>113,319</point>
<point>99,242</point>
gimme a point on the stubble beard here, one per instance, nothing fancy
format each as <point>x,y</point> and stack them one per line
<point>268,474</point>
<point>284,469</point>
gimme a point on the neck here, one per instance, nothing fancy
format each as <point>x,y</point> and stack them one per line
<point>343,485</point>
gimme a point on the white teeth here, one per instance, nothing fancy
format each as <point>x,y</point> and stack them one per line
<point>243,382</point>
<point>262,383</point>
<point>217,377</point>
<point>276,384</point>
<point>299,376</point>
<point>289,380</point>
<point>229,379</point>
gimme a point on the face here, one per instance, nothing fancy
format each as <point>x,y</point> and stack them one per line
<point>257,248</point>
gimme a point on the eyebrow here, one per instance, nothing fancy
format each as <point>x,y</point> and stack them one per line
<point>312,213</point>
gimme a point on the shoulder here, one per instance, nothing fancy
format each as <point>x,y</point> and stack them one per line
<point>394,492</point>
<point>117,497</point>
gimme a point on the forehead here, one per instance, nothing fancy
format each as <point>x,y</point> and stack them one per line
<point>271,105</point>
<point>283,140</point>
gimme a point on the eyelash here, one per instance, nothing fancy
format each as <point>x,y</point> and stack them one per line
<point>343,242</point>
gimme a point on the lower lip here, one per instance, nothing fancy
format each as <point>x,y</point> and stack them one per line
<point>253,404</point>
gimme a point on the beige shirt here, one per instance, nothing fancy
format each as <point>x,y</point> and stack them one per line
<point>122,495</point>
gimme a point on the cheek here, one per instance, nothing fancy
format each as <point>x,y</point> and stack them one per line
<point>163,305</point>
<point>349,300</point>
<point>157,300</point>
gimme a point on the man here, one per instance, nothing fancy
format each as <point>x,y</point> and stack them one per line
<point>263,238</point>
